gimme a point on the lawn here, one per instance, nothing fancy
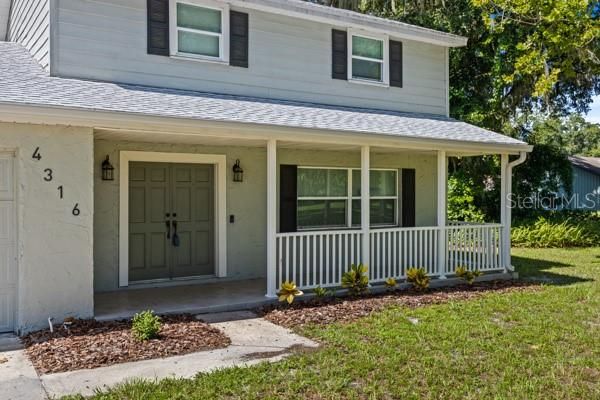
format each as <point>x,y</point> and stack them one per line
<point>541,344</point>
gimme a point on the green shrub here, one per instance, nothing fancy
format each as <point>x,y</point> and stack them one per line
<point>391,284</point>
<point>469,276</point>
<point>356,280</point>
<point>289,292</point>
<point>320,292</point>
<point>547,233</point>
<point>418,278</point>
<point>145,325</point>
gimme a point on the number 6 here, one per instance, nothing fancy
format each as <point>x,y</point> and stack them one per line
<point>76,210</point>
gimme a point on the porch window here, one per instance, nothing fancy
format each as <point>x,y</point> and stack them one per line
<point>322,197</point>
<point>368,59</point>
<point>330,197</point>
<point>384,197</point>
<point>200,30</point>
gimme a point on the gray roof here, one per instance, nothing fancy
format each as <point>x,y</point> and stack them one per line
<point>338,16</point>
<point>590,164</point>
<point>24,82</point>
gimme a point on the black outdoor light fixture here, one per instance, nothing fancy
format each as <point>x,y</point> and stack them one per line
<point>107,170</point>
<point>238,172</point>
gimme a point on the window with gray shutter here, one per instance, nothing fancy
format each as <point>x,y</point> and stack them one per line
<point>339,52</point>
<point>238,39</point>
<point>395,63</point>
<point>158,27</point>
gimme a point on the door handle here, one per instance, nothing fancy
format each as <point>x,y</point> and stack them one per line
<point>168,223</point>
<point>175,235</point>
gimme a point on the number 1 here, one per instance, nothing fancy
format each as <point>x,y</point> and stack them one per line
<point>60,191</point>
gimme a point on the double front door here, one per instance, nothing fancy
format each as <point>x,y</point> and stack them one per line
<point>171,221</point>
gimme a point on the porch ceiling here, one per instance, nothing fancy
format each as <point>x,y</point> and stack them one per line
<point>210,138</point>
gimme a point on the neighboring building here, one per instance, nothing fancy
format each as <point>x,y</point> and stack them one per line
<point>586,183</point>
<point>315,103</point>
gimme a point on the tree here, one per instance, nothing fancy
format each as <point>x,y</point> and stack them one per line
<point>573,134</point>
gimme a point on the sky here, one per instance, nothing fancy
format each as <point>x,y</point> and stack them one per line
<point>594,114</point>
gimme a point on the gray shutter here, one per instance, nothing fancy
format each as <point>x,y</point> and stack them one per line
<point>238,39</point>
<point>288,191</point>
<point>158,27</point>
<point>408,198</point>
<point>395,63</point>
<point>339,54</point>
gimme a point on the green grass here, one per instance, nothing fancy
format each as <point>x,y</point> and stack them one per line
<point>524,345</point>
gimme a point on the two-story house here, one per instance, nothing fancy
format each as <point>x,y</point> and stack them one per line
<point>194,154</point>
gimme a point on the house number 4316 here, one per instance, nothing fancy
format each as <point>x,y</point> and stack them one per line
<point>49,177</point>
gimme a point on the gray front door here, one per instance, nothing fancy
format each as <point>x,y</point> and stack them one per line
<point>171,221</point>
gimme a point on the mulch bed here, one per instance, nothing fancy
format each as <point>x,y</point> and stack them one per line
<point>321,312</point>
<point>90,344</point>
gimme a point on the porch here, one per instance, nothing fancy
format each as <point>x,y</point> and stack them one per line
<point>266,233</point>
<point>188,298</point>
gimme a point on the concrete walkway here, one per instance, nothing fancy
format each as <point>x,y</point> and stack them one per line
<point>253,340</point>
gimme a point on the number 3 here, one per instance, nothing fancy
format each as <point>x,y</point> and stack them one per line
<point>76,210</point>
<point>48,176</point>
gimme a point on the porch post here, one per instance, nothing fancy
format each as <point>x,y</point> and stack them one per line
<point>271,217</point>
<point>505,184</point>
<point>442,187</point>
<point>365,198</point>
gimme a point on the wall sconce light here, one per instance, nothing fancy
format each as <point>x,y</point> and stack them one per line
<point>107,170</point>
<point>238,172</point>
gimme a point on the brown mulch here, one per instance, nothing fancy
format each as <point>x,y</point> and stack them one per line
<point>90,344</point>
<point>350,309</point>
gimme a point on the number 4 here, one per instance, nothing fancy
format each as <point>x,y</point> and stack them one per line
<point>36,154</point>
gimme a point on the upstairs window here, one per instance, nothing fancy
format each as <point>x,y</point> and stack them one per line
<point>368,59</point>
<point>200,30</point>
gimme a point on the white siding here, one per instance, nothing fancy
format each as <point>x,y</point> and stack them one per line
<point>289,59</point>
<point>4,12</point>
<point>30,26</point>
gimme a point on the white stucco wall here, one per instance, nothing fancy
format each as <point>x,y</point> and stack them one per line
<point>55,268</point>
<point>246,245</point>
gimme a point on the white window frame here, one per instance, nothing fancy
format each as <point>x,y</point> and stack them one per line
<point>223,36</point>
<point>385,73</point>
<point>349,198</point>
<point>395,197</point>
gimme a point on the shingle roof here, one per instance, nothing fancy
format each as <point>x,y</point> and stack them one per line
<point>590,164</point>
<point>24,82</point>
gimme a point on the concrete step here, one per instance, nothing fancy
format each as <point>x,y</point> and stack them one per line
<point>9,342</point>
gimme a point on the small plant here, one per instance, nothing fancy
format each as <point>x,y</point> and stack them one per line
<point>391,283</point>
<point>145,325</point>
<point>289,292</point>
<point>418,278</point>
<point>320,292</point>
<point>469,276</point>
<point>356,280</point>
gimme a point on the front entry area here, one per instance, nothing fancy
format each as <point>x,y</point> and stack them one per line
<point>171,221</point>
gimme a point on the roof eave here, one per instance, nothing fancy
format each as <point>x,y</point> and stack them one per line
<point>351,19</point>
<point>101,119</point>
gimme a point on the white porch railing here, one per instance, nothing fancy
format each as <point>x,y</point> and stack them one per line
<point>317,258</point>
<point>474,246</point>
<point>395,250</point>
<point>320,258</point>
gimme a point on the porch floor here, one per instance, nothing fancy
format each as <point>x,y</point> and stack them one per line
<point>195,299</point>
